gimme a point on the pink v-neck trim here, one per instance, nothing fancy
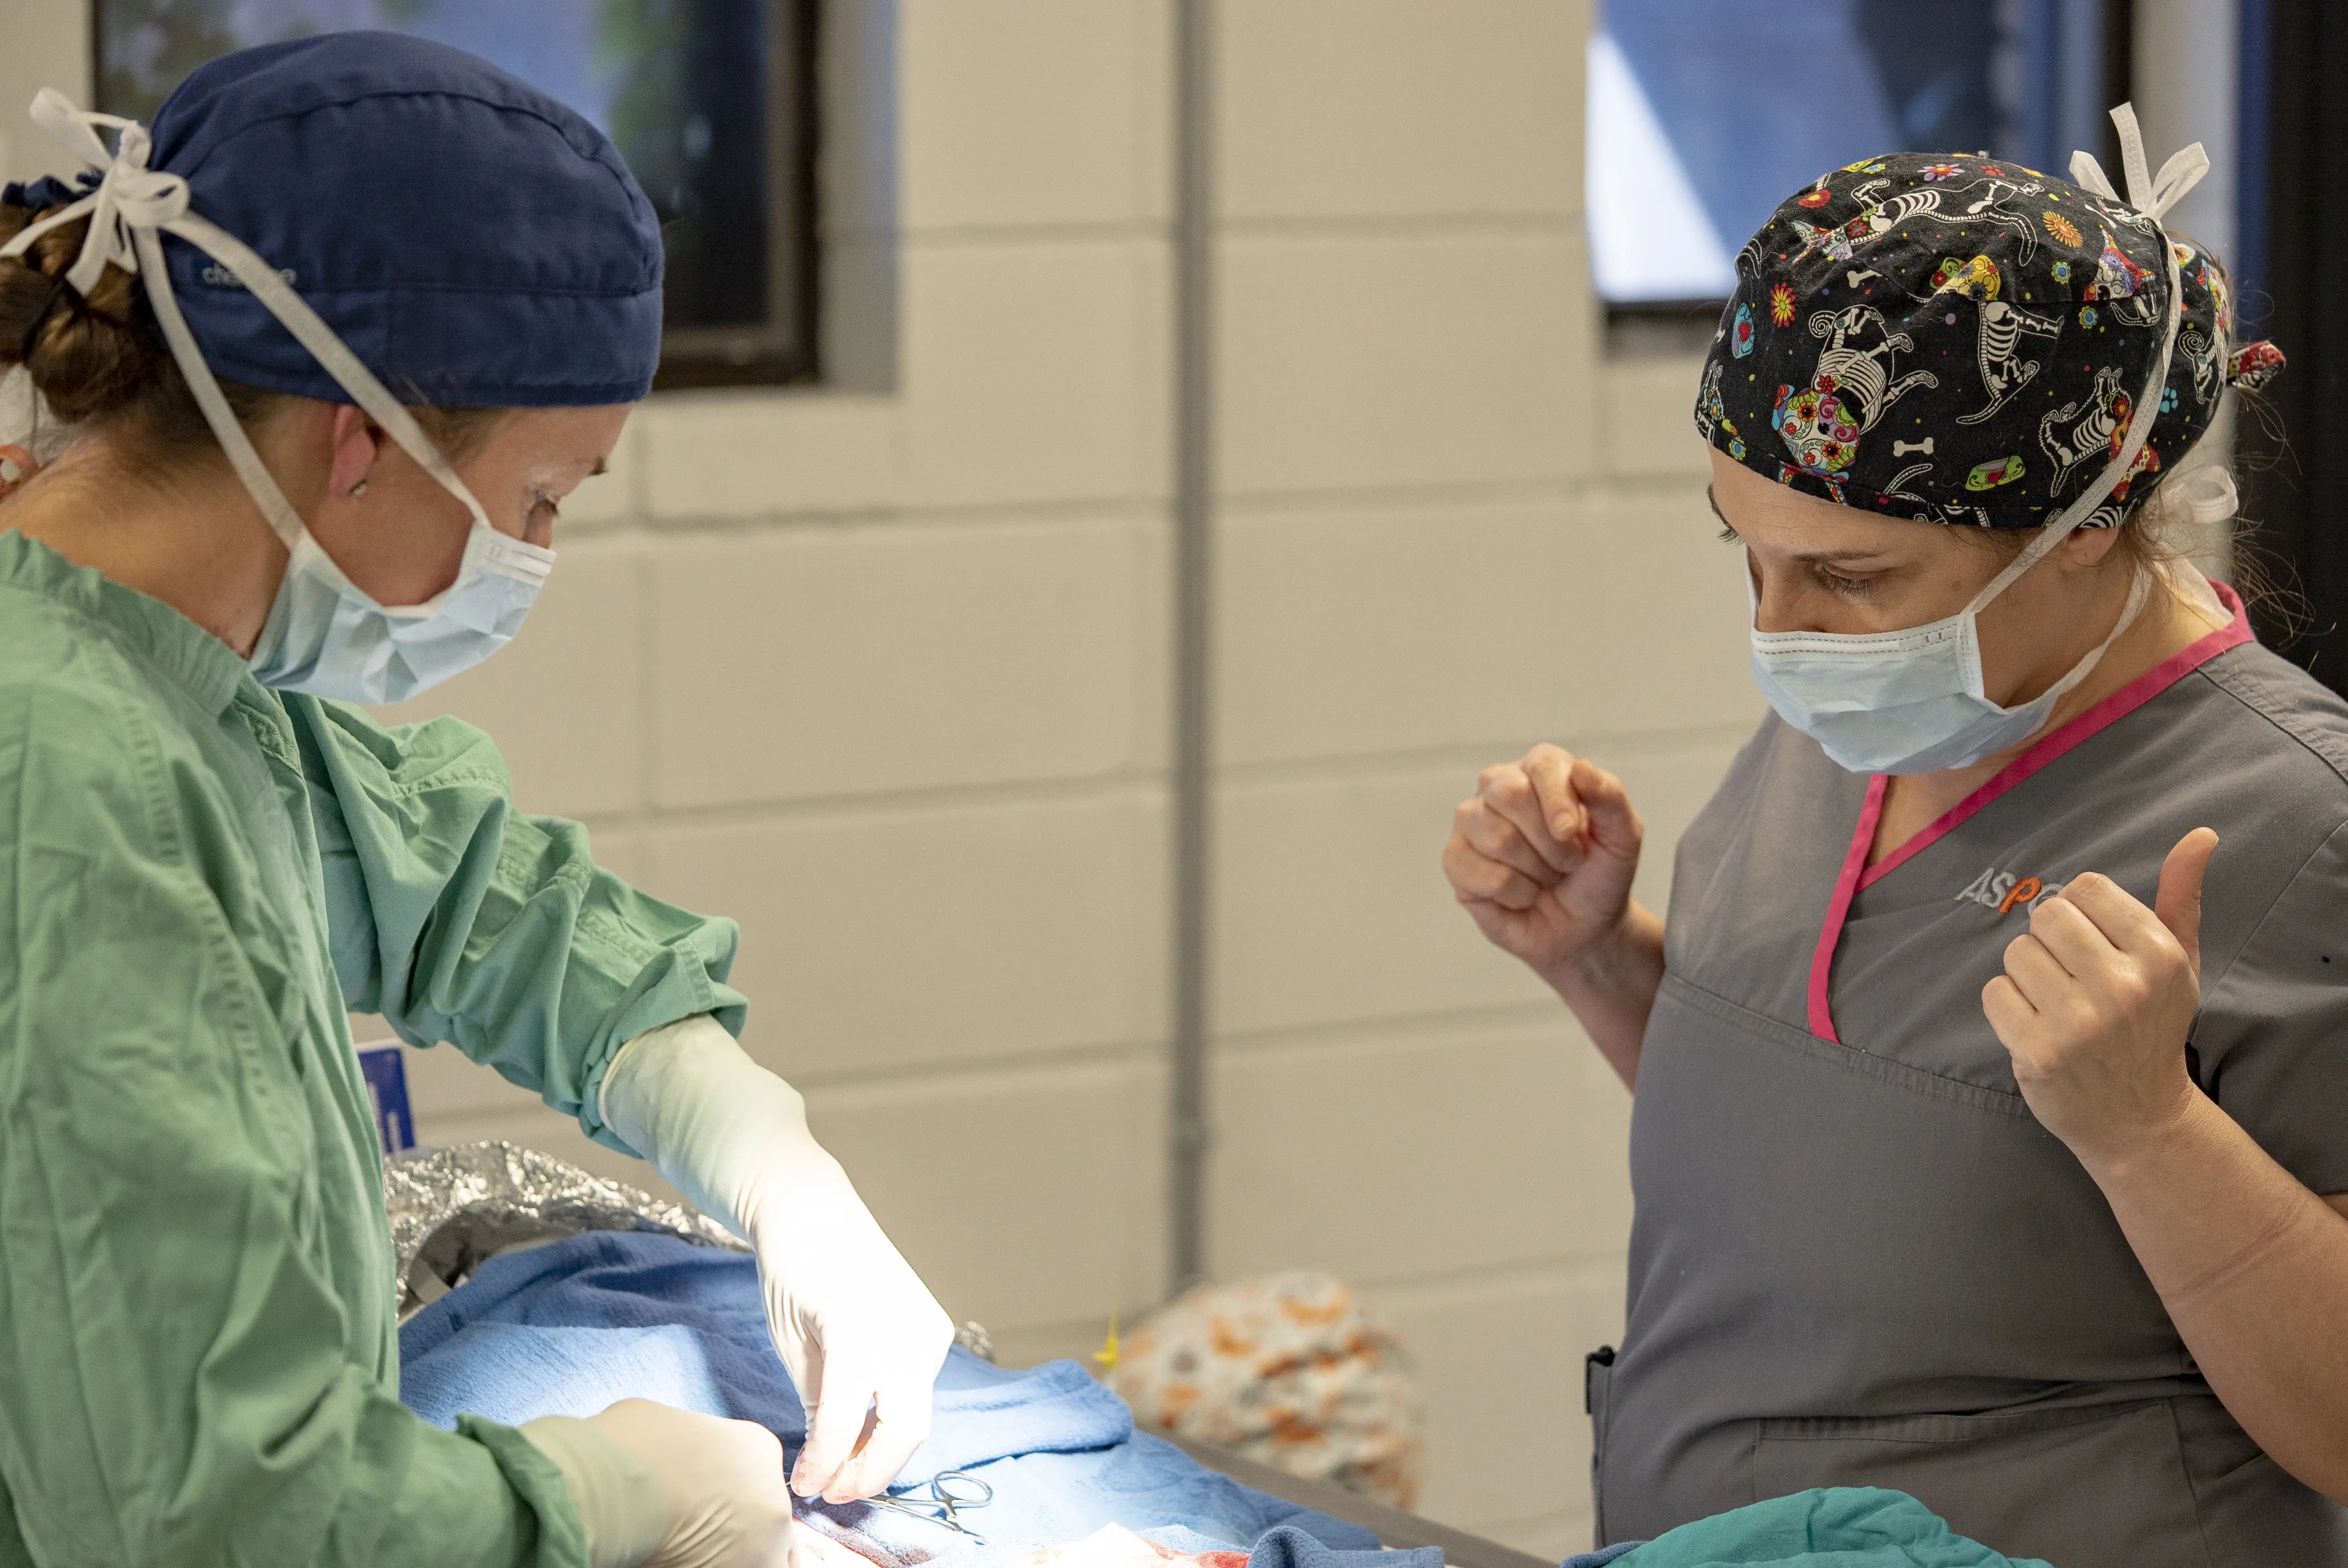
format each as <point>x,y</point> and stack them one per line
<point>1846,888</point>
<point>1856,874</point>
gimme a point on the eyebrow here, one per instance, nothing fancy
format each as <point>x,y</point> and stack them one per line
<point>1823,558</point>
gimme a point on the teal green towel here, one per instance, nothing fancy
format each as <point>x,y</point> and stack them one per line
<point>1825,1527</point>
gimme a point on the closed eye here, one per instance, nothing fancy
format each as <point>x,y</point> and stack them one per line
<point>1849,587</point>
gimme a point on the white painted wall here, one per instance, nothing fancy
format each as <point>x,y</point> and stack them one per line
<point>47,44</point>
<point>884,675</point>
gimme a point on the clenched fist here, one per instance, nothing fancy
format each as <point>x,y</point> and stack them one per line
<point>1542,855</point>
<point>2097,1000</point>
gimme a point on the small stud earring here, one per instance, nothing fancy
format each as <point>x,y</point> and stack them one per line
<point>358,489</point>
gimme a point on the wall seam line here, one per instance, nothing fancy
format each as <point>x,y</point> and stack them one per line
<point>1193,781</point>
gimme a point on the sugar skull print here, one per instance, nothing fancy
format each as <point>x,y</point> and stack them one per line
<point>1853,382</point>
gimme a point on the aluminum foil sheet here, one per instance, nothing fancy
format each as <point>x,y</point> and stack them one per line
<point>454,1209</point>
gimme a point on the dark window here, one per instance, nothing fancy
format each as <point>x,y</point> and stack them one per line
<point>2293,452</point>
<point>710,101</point>
<point>1705,114</point>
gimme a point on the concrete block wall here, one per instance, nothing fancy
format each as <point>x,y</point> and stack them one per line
<point>1449,526</point>
<point>883,675</point>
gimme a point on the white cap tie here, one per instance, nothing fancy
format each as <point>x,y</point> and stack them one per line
<point>129,195</point>
<point>2178,176</point>
<point>2203,495</point>
<point>2151,197</point>
<point>132,208</point>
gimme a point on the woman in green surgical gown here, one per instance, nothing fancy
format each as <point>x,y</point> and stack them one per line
<point>207,853</point>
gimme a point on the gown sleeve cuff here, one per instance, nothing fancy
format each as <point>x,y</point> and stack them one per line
<point>621,1510</point>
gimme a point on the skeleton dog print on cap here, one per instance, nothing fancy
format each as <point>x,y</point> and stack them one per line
<point>1953,337</point>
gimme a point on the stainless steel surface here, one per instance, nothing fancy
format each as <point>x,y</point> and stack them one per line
<point>1392,1525</point>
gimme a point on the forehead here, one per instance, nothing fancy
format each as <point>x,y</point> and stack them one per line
<point>1766,513</point>
<point>560,435</point>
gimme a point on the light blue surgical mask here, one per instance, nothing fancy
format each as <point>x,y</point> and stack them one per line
<point>327,638</point>
<point>324,636</point>
<point>1910,702</point>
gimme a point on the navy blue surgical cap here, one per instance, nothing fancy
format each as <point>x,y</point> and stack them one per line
<point>474,243</point>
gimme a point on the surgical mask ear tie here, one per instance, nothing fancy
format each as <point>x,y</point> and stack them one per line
<point>2153,197</point>
<point>130,208</point>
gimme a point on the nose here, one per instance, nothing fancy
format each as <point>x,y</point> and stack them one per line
<point>1777,605</point>
<point>1758,595</point>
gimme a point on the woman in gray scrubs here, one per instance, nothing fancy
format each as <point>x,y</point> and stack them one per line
<point>1990,1132</point>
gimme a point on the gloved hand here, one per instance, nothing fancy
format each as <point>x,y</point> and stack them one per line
<point>663,1487</point>
<point>861,1336</point>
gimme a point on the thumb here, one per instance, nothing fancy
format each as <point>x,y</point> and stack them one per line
<point>2178,902</point>
<point>836,1413</point>
<point>1615,824</point>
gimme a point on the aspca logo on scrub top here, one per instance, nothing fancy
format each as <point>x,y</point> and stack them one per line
<point>2005,892</point>
<point>220,277</point>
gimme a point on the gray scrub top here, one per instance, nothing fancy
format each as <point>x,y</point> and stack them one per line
<point>1858,1259</point>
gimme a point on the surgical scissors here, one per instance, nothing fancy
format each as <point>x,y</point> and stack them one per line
<point>950,1491</point>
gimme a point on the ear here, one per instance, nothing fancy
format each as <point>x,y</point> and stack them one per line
<point>2088,548</point>
<point>358,442</point>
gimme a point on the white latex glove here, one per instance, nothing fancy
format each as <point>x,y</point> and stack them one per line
<point>861,1336</point>
<point>658,1487</point>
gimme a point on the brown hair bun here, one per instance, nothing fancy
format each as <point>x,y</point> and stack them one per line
<point>91,355</point>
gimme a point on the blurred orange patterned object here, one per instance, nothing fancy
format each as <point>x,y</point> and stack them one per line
<point>1291,1371</point>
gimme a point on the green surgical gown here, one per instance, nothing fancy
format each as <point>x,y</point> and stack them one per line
<point>198,1361</point>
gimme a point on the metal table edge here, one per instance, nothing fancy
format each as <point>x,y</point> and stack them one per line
<point>1391,1525</point>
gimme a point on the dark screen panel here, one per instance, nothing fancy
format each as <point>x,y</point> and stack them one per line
<point>710,102</point>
